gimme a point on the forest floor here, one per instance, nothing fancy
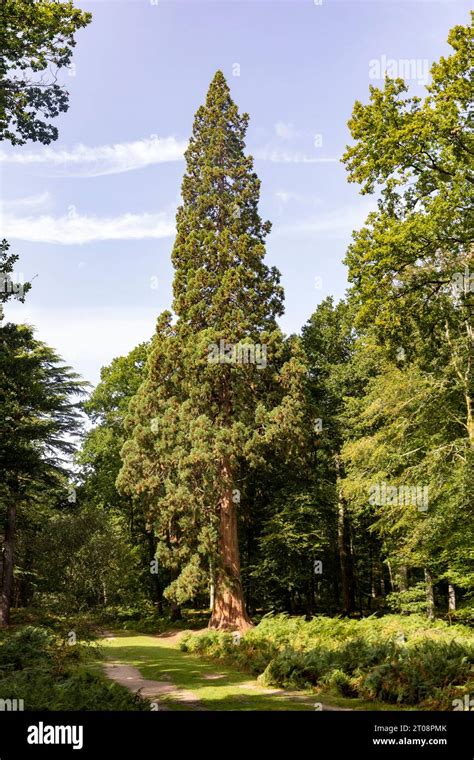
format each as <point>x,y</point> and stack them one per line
<point>176,680</point>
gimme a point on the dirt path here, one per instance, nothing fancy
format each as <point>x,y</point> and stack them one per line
<point>130,676</point>
<point>155,667</point>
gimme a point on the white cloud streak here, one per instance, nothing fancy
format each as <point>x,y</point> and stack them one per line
<point>86,161</point>
<point>30,202</point>
<point>335,223</point>
<point>77,229</point>
<point>278,156</point>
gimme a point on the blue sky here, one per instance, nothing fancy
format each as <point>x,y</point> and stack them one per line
<point>92,215</point>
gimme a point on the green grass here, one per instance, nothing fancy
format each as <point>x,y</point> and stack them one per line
<point>158,659</point>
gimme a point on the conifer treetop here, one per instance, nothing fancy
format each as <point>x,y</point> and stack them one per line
<point>220,242</point>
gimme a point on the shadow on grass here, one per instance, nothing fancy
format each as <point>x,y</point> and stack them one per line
<point>216,686</point>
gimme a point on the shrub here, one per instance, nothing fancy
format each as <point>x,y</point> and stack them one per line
<point>42,669</point>
<point>72,690</point>
<point>341,682</point>
<point>296,669</point>
<point>416,673</point>
<point>402,659</point>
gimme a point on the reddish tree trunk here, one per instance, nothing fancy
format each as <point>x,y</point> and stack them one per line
<point>229,612</point>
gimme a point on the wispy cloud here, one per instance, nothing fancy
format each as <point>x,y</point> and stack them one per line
<point>335,223</point>
<point>87,161</point>
<point>278,156</point>
<point>30,202</point>
<point>74,229</point>
<point>286,196</point>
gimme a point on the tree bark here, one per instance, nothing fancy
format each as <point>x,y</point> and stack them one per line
<point>8,563</point>
<point>430,605</point>
<point>403,578</point>
<point>229,613</point>
<point>345,555</point>
<point>175,611</point>
<point>212,585</point>
<point>381,569</point>
<point>390,575</point>
<point>157,587</point>
<point>451,598</point>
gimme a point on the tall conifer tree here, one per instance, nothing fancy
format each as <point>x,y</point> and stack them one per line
<point>223,386</point>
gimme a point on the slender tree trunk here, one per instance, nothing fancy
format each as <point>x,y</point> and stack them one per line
<point>175,609</point>
<point>451,598</point>
<point>344,561</point>
<point>390,575</point>
<point>159,600</point>
<point>175,612</point>
<point>335,577</point>
<point>403,578</point>
<point>157,587</point>
<point>229,611</point>
<point>212,585</point>
<point>464,375</point>
<point>8,563</point>
<point>383,591</point>
<point>310,594</point>
<point>430,605</point>
<point>372,571</point>
<point>345,554</point>
<point>470,419</point>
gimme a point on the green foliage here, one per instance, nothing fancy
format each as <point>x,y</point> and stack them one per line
<point>340,682</point>
<point>251,654</point>
<point>409,267</point>
<point>48,673</point>
<point>40,406</point>
<point>183,437</point>
<point>419,154</point>
<point>413,675</point>
<point>395,659</point>
<point>36,36</point>
<point>40,417</point>
<point>295,670</point>
<point>411,600</point>
<point>95,561</point>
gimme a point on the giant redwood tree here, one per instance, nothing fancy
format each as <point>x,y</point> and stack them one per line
<point>222,386</point>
